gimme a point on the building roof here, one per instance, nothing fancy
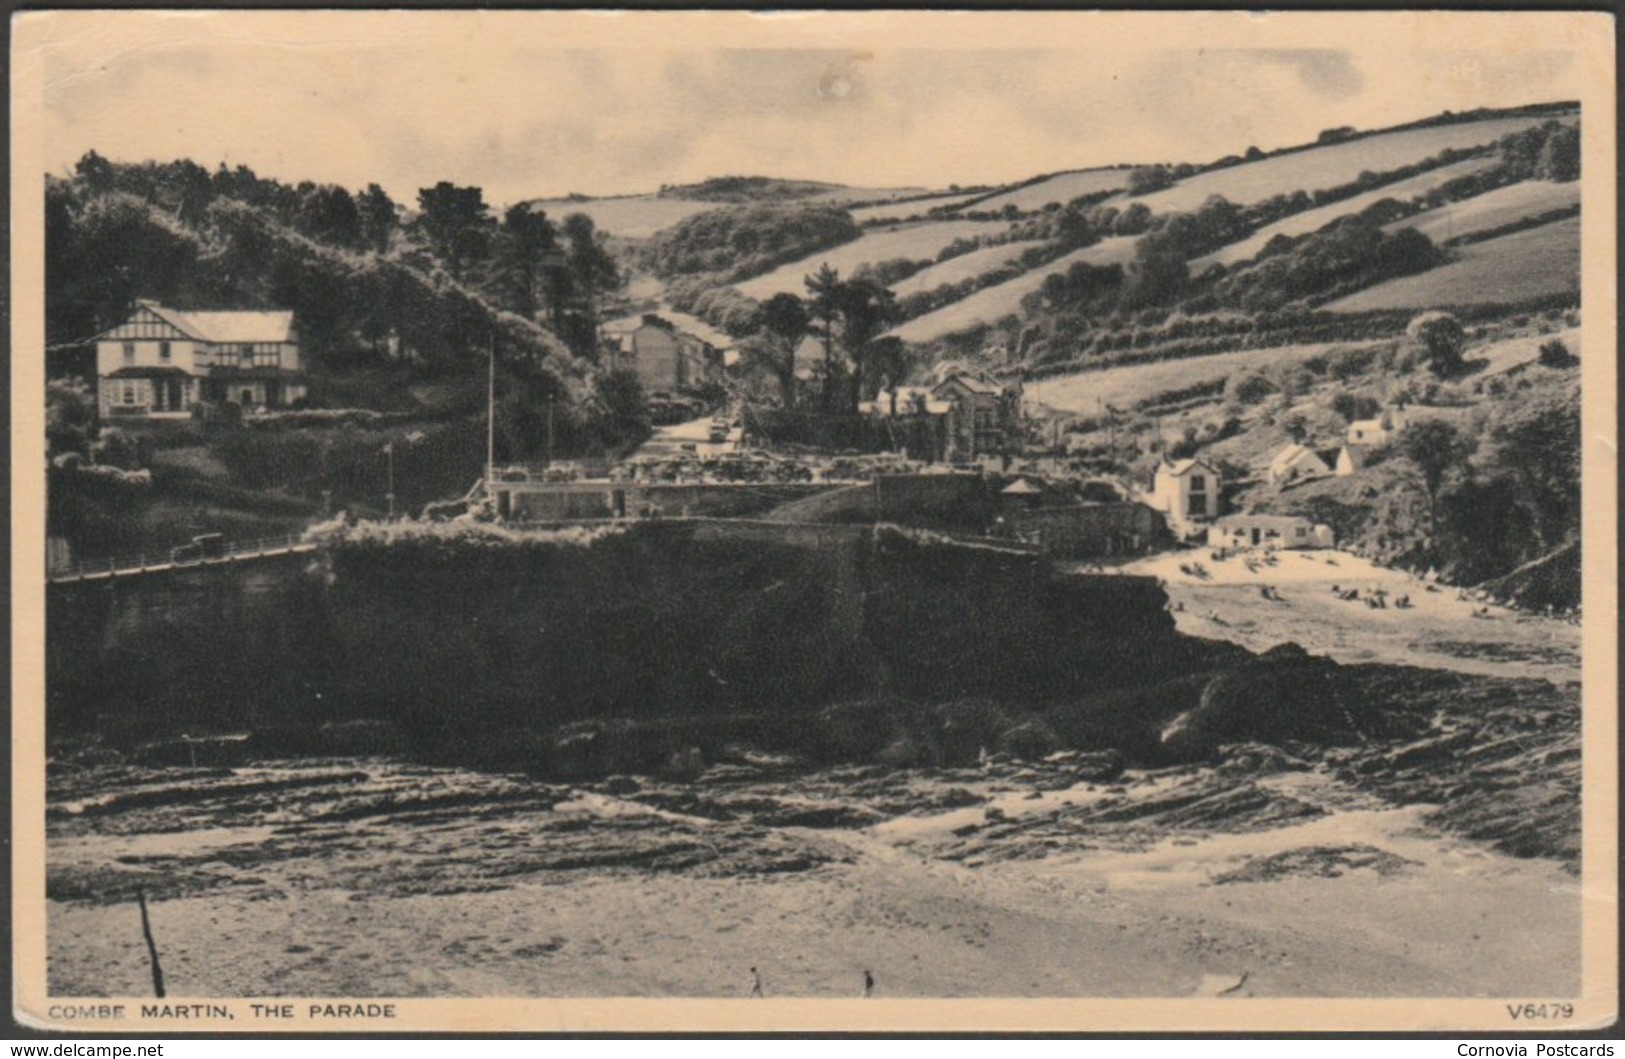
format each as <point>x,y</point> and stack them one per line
<point>1267,522</point>
<point>236,325</point>
<point>692,326</point>
<point>157,372</point>
<point>1021,487</point>
<point>973,383</point>
<point>1292,454</point>
<point>1180,468</point>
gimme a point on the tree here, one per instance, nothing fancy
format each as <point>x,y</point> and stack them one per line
<point>784,325</point>
<point>591,271</point>
<point>378,217</point>
<point>330,215</point>
<point>1560,155</point>
<point>623,409</point>
<point>1437,448</point>
<point>1146,179</point>
<point>824,306</point>
<point>529,247</point>
<point>452,218</point>
<point>866,309</point>
<point>1555,354</point>
<point>1443,340</point>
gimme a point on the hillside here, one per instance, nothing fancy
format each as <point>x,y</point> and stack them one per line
<point>1060,188</point>
<point>1311,220</point>
<point>914,242</point>
<point>1536,263</point>
<point>1330,165</point>
<point>1004,299</point>
<point>1494,210</point>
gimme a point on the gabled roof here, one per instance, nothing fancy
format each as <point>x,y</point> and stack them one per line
<point>228,325</point>
<point>1021,487</point>
<point>1180,468</point>
<point>683,323</point>
<point>1293,454</point>
<point>973,383</point>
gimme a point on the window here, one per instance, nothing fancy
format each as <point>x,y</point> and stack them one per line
<point>246,354</point>
<point>163,351</point>
<point>129,352</point>
<point>129,392</point>
<point>1198,483</point>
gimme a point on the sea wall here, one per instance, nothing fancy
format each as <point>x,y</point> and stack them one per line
<point>655,619</point>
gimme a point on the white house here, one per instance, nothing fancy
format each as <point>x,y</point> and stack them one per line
<point>1377,431</point>
<point>1187,492</point>
<point>1268,531</point>
<point>161,361</point>
<point>1297,462</point>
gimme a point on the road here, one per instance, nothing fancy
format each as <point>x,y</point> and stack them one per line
<point>668,441</point>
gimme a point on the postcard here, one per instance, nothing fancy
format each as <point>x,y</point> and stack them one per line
<point>869,521</point>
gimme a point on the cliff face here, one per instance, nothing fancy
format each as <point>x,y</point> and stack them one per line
<point>658,620</point>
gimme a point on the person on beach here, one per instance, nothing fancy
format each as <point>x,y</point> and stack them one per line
<point>868,985</point>
<point>755,982</point>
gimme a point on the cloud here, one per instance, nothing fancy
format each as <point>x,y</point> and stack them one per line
<point>503,102</point>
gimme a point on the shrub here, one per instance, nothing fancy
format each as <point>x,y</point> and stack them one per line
<point>1555,354</point>
<point>1442,339</point>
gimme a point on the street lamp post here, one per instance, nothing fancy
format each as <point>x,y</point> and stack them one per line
<point>389,452</point>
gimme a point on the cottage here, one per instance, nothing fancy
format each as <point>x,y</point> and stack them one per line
<point>1268,531</point>
<point>1297,463</point>
<point>1187,492</point>
<point>1379,431</point>
<point>160,362</point>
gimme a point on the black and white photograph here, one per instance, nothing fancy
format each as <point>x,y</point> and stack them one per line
<point>720,520</point>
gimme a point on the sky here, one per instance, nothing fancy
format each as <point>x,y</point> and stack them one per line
<point>535,104</point>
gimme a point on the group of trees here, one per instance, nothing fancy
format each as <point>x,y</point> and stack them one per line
<point>735,243</point>
<point>173,232</point>
<point>1517,501</point>
<point>848,317</point>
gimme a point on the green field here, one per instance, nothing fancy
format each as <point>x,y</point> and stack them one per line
<point>991,303</point>
<point>957,269</point>
<point>1493,209</point>
<point>912,241</point>
<point>1061,188</point>
<point>1129,385</point>
<point>1315,219</point>
<point>899,210</point>
<point>1329,166</point>
<point>1514,268</point>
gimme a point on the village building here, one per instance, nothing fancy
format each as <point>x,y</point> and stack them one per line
<point>1379,431</point>
<point>1268,532</point>
<point>987,413</point>
<point>1299,463</point>
<point>161,362</point>
<point>670,352</point>
<point>1187,493</point>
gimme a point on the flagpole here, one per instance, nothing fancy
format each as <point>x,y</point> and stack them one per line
<point>491,413</point>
